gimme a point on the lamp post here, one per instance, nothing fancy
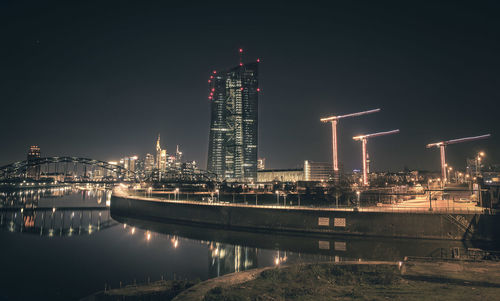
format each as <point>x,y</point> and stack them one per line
<point>358,193</point>
<point>429,190</point>
<point>479,157</point>
<point>217,191</point>
<point>176,193</point>
<point>277,197</point>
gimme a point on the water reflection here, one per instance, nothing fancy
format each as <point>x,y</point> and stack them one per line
<point>61,222</point>
<point>51,232</point>
<point>241,245</point>
<point>224,259</point>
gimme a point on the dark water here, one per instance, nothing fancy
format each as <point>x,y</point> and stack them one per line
<point>72,245</point>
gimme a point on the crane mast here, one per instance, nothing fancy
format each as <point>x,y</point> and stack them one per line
<point>334,120</point>
<point>442,145</point>
<point>364,139</point>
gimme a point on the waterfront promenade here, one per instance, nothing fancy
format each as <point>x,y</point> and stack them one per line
<point>419,204</point>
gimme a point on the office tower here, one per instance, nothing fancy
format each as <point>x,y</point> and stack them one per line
<point>158,153</point>
<point>132,163</point>
<point>178,154</point>
<point>149,163</point>
<point>232,150</point>
<point>163,160</point>
<point>261,164</point>
<point>33,171</point>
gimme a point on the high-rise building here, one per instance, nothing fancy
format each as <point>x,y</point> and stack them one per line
<point>158,153</point>
<point>33,171</point>
<point>178,154</point>
<point>149,163</point>
<point>232,150</point>
<point>261,164</point>
<point>163,160</point>
<point>132,163</point>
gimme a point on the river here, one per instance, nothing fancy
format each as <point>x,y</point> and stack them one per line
<point>65,244</point>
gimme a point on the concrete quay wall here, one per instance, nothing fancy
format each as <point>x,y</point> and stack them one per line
<point>454,226</point>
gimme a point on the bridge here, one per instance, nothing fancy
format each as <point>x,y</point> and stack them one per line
<point>43,167</point>
<point>86,170</point>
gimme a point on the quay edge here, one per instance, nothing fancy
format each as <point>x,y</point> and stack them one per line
<point>419,225</point>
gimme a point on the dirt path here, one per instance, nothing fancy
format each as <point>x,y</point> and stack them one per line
<point>197,292</point>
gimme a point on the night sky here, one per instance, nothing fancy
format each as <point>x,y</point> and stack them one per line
<point>101,79</point>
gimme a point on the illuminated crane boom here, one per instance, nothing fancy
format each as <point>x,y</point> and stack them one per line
<point>333,120</point>
<point>442,145</point>
<point>363,139</point>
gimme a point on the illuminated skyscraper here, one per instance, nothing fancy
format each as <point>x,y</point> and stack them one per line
<point>149,163</point>
<point>158,153</point>
<point>33,171</point>
<point>232,150</point>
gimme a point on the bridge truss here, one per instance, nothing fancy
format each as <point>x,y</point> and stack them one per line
<point>20,168</point>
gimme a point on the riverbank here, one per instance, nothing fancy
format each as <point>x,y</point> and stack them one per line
<point>414,279</point>
<point>158,290</point>
<point>359,281</point>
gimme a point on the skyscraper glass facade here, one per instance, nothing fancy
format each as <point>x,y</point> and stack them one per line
<point>233,141</point>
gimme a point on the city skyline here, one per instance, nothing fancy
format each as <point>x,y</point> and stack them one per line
<point>433,76</point>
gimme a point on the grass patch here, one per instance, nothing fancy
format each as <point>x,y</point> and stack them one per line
<point>345,282</point>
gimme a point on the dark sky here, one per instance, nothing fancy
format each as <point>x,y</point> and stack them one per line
<point>101,79</point>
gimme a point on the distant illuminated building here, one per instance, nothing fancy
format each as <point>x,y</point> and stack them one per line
<point>317,171</point>
<point>163,160</point>
<point>261,164</point>
<point>158,153</point>
<point>124,162</point>
<point>132,163</point>
<point>178,154</point>
<point>281,175</point>
<point>149,163</point>
<point>33,171</point>
<point>110,172</point>
<point>161,156</point>
<point>233,140</point>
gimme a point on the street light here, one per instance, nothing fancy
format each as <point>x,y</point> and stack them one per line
<point>176,193</point>
<point>277,197</point>
<point>358,193</point>
<point>217,191</point>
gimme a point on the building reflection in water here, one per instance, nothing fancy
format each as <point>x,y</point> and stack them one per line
<point>56,211</point>
<point>224,259</point>
<point>54,222</point>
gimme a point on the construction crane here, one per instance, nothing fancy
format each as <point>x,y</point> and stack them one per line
<point>442,145</point>
<point>333,120</point>
<point>364,139</point>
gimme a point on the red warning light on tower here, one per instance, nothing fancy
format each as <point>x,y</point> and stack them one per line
<point>241,64</point>
<point>215,71</point>
<point>258,89</point>
<point>258,60</point>
<point>241,50</point>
